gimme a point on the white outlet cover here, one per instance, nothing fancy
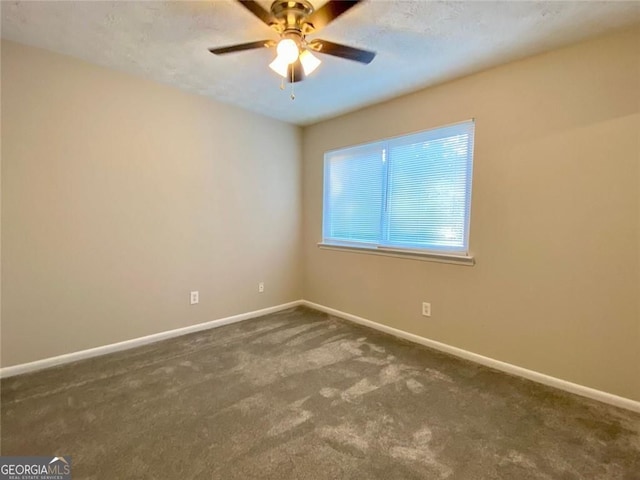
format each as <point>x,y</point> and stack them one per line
<point>194,298</point>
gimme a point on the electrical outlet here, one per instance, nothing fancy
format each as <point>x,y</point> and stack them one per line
<point>426,309</point>
<point>261,287</point>
<point>194,298</point>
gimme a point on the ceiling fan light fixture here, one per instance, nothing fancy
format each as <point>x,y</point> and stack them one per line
<point>279,66</point>
<point>293,20</point>
<point>287,50</point>
<point>309,62</point>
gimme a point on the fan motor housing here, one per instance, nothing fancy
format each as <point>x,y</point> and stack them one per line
<point>291,14</point>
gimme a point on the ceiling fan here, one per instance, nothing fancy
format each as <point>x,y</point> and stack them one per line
<point>293,20</point>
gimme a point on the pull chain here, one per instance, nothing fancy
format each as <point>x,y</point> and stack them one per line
<point>293,93</point>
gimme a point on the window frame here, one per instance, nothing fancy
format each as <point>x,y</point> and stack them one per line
<point>380,247</point>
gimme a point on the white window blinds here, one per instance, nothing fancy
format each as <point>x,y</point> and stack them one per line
<point>410,192</point>
<point>353,194</point>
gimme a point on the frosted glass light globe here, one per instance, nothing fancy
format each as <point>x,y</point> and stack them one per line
<point>309,62</point>
<point>287,50</point>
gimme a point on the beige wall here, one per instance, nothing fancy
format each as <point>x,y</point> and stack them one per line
<point>555,218</point>
<point>120,195</point>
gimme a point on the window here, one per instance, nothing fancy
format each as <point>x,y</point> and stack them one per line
<point>406,193</point>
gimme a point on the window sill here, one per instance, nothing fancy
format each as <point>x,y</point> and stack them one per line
<point>466,260</point>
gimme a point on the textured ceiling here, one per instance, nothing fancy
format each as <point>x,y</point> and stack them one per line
<point>419,43</point>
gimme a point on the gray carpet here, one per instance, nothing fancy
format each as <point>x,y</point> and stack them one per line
<point>301,395</point>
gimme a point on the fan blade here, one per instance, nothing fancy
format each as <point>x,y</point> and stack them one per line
<point>243,46</point>
<point>342,51</point>
<point>258,11</point>
<point>329,12</point>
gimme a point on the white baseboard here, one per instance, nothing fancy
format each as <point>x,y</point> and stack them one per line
<point>581,390</point>
<point>137,342</point>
